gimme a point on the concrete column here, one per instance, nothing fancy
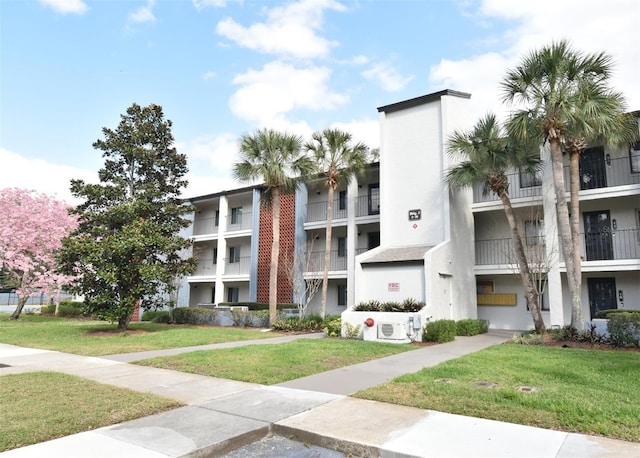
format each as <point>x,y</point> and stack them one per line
<point>352,240</point>
<point>223,209</point>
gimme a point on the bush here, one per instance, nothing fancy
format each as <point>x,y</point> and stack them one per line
<point>369,306</point>
<point>311,323</point>
<point>624,329</point>
<point>529,338</point>
<point>67,311</point>
<point>608,313</point>
<point>350,331</point>
<point>258,305</point>
<point>194,315</point>
<point>333,327</point>
<point>471,327</point>
<point>440,331</point>
<point>152,315</point>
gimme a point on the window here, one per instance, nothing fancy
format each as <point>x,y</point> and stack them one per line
<point>534,232</point>
<point>215,255</point>
<point>342,295</point>
<point>528,179</point>
<point>233,294</point>
<point>342,247</point>
<point>217,220</point>
<point>374,199</point>
<point>342,200</point>
<point>484,286</point>
<point>634,158</point>
<point>373,240</point>
<point>236,215</point>
<point>234,254</point>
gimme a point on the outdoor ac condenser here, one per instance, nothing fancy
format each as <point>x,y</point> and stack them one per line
<point>391,331</point>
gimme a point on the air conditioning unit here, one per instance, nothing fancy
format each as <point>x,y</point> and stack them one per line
<point>238,308</point>
<point>392,331</point>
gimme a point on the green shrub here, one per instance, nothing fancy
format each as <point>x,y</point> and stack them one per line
<point>72,304</point>
<point>333,327</point>
<point>350,331</point>
<point>471,327</point>
<point>194,315</point>
<point>312,323</point>
<point>162,317</point>
<point>151,315</point>
<point>66,311</point>
<point>607,313</point>
<point>624,329</point>
<point>408,305</point>
<point>238,318</point>
<point>258,305</point>
<point>528,338</point>
<point>439,331</point>
<point>369,306</point>
<point>260,318</point>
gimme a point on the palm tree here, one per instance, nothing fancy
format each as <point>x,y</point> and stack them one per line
<point>485,156</point>
<point>277,160</point>
<point>339,161</point>
<point>567,103</point>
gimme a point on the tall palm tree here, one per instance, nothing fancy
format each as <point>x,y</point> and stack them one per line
<point>485,155</point>
<point>339,161</point>
<point>276,159</point>
<point>567,101</point>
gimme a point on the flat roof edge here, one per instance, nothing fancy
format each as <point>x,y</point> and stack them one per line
<point>417,101</point>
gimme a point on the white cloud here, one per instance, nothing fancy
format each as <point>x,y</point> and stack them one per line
<point>366,131</point>
<point>289,30</point>
<point>202,4</point>
<point>588,25</point>
<point>66,6</point>
<point>215,151</point>
<point>42,176</point>
<point>208,75</point>
<point>265,95</point>
<point>387,77</point>
<point>144,13</point>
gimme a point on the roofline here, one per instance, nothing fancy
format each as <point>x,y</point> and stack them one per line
<point>417,101</point>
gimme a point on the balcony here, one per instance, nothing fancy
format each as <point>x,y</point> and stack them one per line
<point>239,222</point>
<point>317,211</point>
<point>621,244</point>
<point>605,174</point>
<point>205,226</point>
<point>367,205</point>
<point>206,267</point>
<point>316,261</point>
<point>237,266</point>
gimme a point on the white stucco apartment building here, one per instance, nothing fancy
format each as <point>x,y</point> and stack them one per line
<point>399,232</point>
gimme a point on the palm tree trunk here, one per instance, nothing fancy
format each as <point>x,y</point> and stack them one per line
<point>530,294</point>
<point>565,233</point>
<point>275,253</point>
<point>327,253</point>
<point>574,187</point>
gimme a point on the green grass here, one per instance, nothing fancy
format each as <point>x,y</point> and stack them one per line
<point>271,364</point>
<point>98,338</point>
<point>40,406</point>
<point>587,391</point>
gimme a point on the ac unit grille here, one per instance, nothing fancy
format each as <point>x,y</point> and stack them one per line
<point>391,331</point>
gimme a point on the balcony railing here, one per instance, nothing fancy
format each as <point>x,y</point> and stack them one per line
<point>239,222</point>
<point>237,266</point>
<point>366,206</point>
<point>206,267</point>
<point>338,261</point>
<point>317,211</point>
<point>595,246</point>
<point>614,172</point>
<point>204,226</point>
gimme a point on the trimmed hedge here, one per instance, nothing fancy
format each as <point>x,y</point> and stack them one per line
<point>194,315</point>
<point>258,305</point>
<point>606,314</point>
<point>440,331</point>
<point>471,327</point>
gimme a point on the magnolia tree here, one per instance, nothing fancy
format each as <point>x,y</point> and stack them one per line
<point>31,230</point>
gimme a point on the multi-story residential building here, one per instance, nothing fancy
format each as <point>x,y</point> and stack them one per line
<point>399,232</point>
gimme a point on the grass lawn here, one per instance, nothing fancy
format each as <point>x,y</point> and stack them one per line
<point>271,364</point>
<point>98,338</point>
<point>39,406</point>
<point>586,391</point>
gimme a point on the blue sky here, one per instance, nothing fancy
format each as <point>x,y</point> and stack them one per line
<point>222,68</point>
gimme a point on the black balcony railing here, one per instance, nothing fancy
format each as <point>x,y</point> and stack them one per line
<point>367,205</point>
<point>595,246</point>
<point>317,211</point>
<point>610,173</point>
<point>338,261</point>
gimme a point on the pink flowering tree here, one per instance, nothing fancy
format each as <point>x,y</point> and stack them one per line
<point>31,231</point>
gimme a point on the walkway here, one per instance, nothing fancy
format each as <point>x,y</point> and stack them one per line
<point>222,415</point>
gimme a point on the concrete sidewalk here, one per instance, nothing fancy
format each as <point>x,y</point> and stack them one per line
<point>224,415</point>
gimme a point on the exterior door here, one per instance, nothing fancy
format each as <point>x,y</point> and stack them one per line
<point>593,172</point>
<point>597,235</point>
<point>602,294</point>
<point>374,199</point>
